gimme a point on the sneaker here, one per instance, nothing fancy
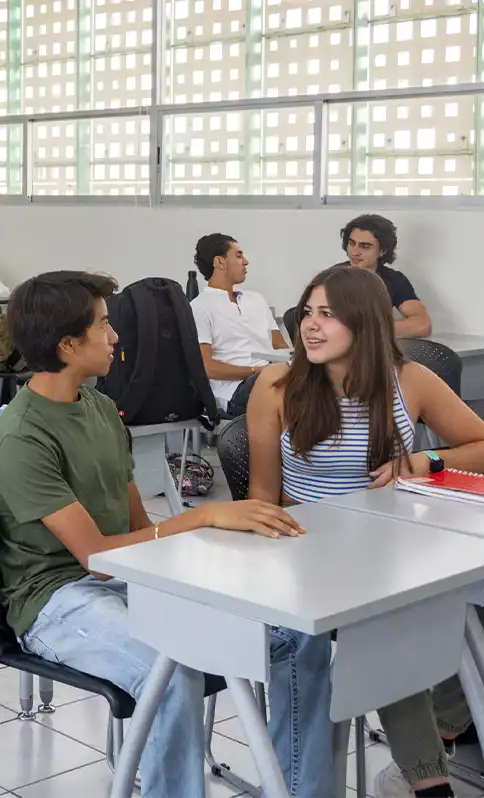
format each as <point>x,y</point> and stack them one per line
<point>449,746</point>
<point>391,783</point>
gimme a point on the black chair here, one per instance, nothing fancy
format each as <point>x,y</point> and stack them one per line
<point>438,358</point>
<point>289,320</point>
<point>233,451</point>
<point>442,361</point>
<point>121,704</point>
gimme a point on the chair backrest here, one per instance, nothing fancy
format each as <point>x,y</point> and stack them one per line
<point>233,450</point>
<point>289,320</point>
<point>438,358</point>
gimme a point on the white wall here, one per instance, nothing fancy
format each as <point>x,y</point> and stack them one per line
<point>439,249</point>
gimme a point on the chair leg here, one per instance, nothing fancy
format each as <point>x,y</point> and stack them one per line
<point>114,743</point>
<point>221,770</point>
<point>46,693</point>
<point>196,440</point>
<point>26,696</point>
<point>360,757</point>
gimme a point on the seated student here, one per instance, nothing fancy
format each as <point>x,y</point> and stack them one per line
<point>67,491</point>
<point>341,417</point>
<point>370,242</point>
<point>231,323</point>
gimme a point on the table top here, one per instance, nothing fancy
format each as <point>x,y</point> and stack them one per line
<point>273,355</point>
<point>348,567</point>
<point>443,513</point>
<point>463,345</point>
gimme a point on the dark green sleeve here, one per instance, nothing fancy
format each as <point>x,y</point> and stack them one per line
<point>31,480</point>
<point>124,436</point>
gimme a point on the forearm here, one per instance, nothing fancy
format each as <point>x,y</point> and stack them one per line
<point>468,457</point>
<point>412,327</point>
<point>185,522</point>
<point>265,492</point>
<point>278,341</point>
<point>218,370</point>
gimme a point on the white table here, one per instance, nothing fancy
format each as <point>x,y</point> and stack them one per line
<point>273,355</point>
<point>206,599</point>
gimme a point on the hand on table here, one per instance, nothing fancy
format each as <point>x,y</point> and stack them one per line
<point>253,516</point>
<point>384,475</point>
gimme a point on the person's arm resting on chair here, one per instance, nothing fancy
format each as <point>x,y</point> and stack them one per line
<point>416,320</point>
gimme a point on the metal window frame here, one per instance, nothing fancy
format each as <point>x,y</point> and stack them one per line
<point>159,112</point>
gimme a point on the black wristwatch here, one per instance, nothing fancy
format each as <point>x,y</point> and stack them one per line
<point>436,463</point>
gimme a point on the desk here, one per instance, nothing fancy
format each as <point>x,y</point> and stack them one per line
<point>206,598</point>
<point>465,518</point>
<point>273,355</point>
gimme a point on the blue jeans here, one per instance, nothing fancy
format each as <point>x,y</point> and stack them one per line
<point>85,626</point>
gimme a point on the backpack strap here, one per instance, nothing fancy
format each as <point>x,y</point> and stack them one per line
<point>191,350</point>
<point>135,393</point>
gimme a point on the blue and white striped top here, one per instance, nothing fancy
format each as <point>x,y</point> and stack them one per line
<point>338,466</point>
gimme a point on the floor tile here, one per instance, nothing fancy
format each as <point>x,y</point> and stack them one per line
<point>236,756</point>
<point>30,752</point>
<point>85,721</point>
<point>6,715</point>
<point>377,757</point>
<point>63,694</point>
<point>225,707</point>
<point>96,780</point>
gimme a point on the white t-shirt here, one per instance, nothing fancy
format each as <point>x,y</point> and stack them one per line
<point>234,330</point>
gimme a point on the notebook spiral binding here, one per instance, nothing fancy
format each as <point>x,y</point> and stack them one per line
<point>464,473</point>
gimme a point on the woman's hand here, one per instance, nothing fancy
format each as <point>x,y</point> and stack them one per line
<point>384,475</point>
<point>252,516</point>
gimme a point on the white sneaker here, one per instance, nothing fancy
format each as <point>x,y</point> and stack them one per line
<point>391,783</point>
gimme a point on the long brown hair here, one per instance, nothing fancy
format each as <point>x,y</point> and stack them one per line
<point>359,299</point>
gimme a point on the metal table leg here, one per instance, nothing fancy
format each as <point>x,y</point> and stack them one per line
<point>257,737</point>
<point>139,728</point>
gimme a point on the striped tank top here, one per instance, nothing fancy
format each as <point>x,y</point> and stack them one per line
<point>338,466</point>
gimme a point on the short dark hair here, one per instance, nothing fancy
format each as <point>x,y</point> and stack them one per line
<point>383,229</point>
<point>208,248</point>
<point>47,308</point>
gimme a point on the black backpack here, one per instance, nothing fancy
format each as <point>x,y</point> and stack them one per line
<point>157,374</point>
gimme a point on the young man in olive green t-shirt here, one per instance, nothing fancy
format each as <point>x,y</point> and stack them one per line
<point>67,491</point>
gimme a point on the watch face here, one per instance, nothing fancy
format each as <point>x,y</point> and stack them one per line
<point>436,466</point>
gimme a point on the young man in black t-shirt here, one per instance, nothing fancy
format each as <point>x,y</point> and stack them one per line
<point>370,242</point>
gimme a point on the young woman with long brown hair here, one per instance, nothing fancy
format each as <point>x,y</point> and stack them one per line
<point>341,417</point>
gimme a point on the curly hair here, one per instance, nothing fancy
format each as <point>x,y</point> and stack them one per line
<point>383,229</point>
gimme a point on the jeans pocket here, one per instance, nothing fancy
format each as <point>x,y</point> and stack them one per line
<point>33,640</point>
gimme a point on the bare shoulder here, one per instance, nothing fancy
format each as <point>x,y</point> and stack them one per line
<point>419,385</point>
<point>414,375</point>
<point>272,374</point>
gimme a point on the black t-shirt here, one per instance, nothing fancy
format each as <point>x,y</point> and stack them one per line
<point>398,286</point>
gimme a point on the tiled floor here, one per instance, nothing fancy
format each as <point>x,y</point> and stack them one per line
<point>62,755</point>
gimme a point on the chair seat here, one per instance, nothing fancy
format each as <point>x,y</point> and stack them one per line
<point>121,703</point>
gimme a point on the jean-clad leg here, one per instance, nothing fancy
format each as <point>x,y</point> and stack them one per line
<point>299,696</point>
<point>85,626</point>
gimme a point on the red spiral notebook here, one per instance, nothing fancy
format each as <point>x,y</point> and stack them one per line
<point>449,484</point>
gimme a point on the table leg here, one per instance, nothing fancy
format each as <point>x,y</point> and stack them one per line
<point>257,737</point>
<point>139,728</point>
<point>474,690</point>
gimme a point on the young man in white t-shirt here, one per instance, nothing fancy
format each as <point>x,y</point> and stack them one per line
<point>231,324</point>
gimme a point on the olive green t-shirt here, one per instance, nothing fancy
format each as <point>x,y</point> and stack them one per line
<point>53,454</point>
